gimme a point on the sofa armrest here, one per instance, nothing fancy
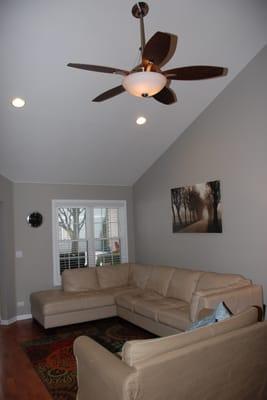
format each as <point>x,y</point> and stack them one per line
<point>237,299</point>
<point>101,374</point>
<point>214,368</point>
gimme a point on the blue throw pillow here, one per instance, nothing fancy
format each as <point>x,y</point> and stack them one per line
<point>222,312</point>
<point>219,314</point>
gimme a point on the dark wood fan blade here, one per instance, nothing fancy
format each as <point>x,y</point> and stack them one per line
<point>195,72</point>
<point>110,93</point>
<point>157,48</point>
<point>99,68</point>
<point>172,49</point>
<point>166,96</point>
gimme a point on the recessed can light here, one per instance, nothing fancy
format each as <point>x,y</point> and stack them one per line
<point>18,102</point>
<point>141,121</point>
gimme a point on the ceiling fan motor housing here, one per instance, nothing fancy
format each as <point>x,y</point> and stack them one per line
<point>140,9</point>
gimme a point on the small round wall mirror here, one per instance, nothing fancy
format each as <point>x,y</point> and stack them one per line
<point>35,219</point>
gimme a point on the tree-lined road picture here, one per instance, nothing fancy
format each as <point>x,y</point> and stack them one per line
<point>197,208</point>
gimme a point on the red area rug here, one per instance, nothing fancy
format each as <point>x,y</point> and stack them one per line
<point>52,354</point>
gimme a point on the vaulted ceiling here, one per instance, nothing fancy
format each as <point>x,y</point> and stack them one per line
<point>60,136</point>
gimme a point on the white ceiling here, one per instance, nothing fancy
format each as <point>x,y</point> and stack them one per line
<point>61,136</point>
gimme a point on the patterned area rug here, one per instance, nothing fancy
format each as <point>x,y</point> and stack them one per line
<point>52,354</point>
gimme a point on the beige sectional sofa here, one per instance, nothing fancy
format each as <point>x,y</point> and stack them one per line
<point>164,300</point>
<point>224,361</point>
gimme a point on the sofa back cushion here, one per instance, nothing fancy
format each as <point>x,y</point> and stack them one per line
<point>183,283</point>
<point>113,275</point>
<point>159,279</point>
<point>79,280</point>
<point>214,280</point>
<point>137,351</point>
<point>139,275</point>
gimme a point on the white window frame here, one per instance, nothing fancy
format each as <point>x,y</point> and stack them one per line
<point>120,204</point>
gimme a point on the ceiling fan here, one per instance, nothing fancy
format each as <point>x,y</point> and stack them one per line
<point>147,79</point>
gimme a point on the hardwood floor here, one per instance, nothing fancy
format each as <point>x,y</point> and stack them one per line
<point>18,379</point>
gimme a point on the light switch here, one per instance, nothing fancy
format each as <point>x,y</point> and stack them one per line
<point>19,254</point>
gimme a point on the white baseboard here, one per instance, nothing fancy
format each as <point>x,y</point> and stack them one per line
<point>14,319</point>
<point>8,321</point>
<point>23,316</point>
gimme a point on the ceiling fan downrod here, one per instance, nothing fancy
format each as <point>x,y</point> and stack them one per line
<point>140,10</point>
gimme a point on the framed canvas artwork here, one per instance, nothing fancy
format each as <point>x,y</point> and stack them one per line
<point>197,208</point>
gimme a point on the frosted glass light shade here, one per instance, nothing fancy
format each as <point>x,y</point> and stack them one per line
<point>144,84</point>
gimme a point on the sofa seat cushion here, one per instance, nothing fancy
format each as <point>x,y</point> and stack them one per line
<point>113,275</point>
<point>79,279</point>
<point>128,300</point>
<point>50,302</point>
<point>159,279</point>
<point>151,308</point>
<point>183,284</point>
<point>176,317</point>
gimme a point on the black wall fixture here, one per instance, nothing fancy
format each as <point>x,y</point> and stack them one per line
<point>35,219</point>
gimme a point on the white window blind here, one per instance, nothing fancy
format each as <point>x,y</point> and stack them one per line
<point>88,234</point>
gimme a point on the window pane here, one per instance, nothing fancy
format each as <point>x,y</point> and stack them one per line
<point>106,234</point>
<point>99,214</point>
<point>104,230</point>
<point>72,223</point>
<point>98,230</point>
<point>114,231</point>
<point>72,242</point>
<point>73,254</point>
<point>108,218</point>
<point>113,215</point>
<point>108,252</point>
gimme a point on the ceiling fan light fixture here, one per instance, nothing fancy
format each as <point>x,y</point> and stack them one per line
<point>144,83</point>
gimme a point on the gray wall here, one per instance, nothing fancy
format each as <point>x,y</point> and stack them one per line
<point>35,270</point>
<point>227,142</point>
<point>7,266</point>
